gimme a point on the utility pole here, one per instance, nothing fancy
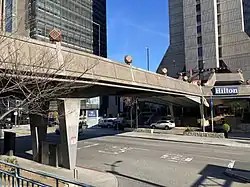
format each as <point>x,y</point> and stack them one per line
<point>212,112</point>
<point>147,53</point>
<point>136,110</point>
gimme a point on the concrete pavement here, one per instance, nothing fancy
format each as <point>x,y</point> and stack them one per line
<point>85,175</point>
<point>141,162</point>
<point>189,139</point>
<point>146,162</point>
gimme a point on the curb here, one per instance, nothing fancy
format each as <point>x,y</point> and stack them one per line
<point>157,139</point>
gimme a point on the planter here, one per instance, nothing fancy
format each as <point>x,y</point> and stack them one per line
<point>204,134</point>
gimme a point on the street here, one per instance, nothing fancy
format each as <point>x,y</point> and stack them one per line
<point>147,163</point>
<point>137,162</point>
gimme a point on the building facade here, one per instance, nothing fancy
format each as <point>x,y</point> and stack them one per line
<point>82,23</point>
<point>206,34</point>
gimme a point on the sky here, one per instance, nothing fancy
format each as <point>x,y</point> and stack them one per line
<point>134,25</point>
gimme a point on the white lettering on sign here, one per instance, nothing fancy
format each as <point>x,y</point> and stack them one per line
<point>226,90</point>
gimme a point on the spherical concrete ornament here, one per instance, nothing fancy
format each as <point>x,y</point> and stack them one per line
<point>128,59</point>
<point>164,70</point>
<point>185,78</point>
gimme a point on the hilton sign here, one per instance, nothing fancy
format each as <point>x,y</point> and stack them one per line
<point>226,90</point>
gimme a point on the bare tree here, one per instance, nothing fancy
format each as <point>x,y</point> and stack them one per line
<point>37,74</point>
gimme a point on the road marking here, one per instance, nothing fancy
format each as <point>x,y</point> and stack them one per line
<point>231,164</point>
<point>188,159</point>
<point>140,149</point>
<point>106,152</point>
<point>88,146</point>
<point>176,158</point>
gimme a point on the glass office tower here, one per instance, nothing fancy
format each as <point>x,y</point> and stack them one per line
<point>81,22</point>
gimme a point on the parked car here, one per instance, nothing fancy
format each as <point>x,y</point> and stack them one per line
<point>163,124</point>
<point>107,123</point>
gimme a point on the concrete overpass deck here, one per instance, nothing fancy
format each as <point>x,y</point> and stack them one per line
<point>103,76</point>
<point>83,68</point>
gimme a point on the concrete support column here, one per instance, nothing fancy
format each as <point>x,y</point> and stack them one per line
<point>171,108</point>
<point>38,128</point>
<point>202,115</point>
<point>69,112</point>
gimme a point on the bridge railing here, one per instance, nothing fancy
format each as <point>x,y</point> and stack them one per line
<point>15,176</point>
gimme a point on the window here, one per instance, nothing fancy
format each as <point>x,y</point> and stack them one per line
<point>220,52</point>
<point>219,19</point>
<point>198,18</point>
<point>200,53</point>
<point>220,40</point>
<point>8,15</point>
<point>199,40</point>
<point>200,64</point>
<point>198,8</point>
<point>219,29</point>
<point>218,8</point>
<point>199,29</point>
<point>116,100</point>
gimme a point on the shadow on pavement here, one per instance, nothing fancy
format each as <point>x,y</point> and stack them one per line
<point>239,136</point>
<point>114,172</point>
<point>96,132</point>
<point>24,143</point>
<point>213,175</point>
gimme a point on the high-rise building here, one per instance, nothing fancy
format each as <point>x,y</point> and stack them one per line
<point>82,23</point>
<point>206,34</point>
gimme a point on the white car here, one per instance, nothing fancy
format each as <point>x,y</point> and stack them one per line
<point>163,124</point>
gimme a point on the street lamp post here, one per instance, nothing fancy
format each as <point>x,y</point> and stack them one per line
<point>147,53</point>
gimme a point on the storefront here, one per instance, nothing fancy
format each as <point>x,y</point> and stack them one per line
<point>232,104</point>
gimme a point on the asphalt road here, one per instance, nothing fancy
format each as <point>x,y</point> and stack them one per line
<point>139,163</point>
<point>150,163</point>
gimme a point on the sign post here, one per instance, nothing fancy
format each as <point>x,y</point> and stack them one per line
<point>212,112</point>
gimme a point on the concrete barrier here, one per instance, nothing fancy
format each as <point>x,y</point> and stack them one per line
<point>205,134</point>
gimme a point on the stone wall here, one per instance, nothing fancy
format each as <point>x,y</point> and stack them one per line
<point>205,134</point>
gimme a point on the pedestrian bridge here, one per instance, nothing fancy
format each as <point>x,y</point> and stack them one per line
<point>66,64</point>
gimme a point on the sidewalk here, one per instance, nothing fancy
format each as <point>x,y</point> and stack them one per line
<point>87,176</point>
<point>188,139</point>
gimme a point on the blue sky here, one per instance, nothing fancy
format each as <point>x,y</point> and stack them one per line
<point>135,24</point>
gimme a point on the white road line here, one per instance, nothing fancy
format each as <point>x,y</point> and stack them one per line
<point>231,164</point>
<point>88,146</point>
<point>188,159</point>
<point>106,152</point>
<point>141,149</point>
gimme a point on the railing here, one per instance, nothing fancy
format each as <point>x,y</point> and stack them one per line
<point>14,176</point>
